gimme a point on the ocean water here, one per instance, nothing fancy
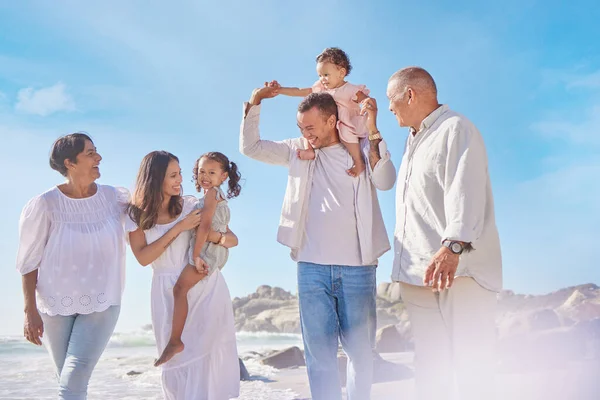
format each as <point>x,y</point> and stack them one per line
<point>125,371</point>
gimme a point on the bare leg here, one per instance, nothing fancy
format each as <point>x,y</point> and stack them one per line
<point>357,157</point>
<point>188,279</point>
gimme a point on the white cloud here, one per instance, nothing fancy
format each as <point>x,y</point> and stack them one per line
<point>44,101</point>
<point>583,131</point>
<point>589,81</point>
<point>572,79</point>
<point>550,223</point>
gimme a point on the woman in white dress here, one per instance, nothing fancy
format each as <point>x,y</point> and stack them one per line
<point>72,258</point>
<point>160,226</point>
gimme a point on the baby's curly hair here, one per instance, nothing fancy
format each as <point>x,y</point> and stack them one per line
<point>230,167</point>
<point>337,57</point>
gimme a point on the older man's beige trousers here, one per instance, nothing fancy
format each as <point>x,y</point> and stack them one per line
<point>455,337</point>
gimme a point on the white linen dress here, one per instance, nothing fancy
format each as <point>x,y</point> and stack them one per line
<point>208,368</point>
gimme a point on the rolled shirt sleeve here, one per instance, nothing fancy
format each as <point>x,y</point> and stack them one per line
<point>251,145</point>
<point>383,175</point>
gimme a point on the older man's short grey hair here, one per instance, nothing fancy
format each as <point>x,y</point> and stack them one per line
<point>415,77</point>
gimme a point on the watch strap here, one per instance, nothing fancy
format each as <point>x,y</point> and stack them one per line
<point>375,136</point>
<point>450,244</point>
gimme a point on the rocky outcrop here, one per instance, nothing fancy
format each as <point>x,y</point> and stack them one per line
<point>273,309</point>
<point>390,339</point>
<point>389,291</point>
<point>290,357</point>
<point>269,309</point>
<point>547,329</point>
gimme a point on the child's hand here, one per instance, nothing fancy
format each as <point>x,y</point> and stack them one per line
<point>274,85</point>
<point>201,266</point>
<point>360,97</point>
<point>269,90</point>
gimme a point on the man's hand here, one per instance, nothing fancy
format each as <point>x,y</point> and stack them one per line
<point>441,270</point>
<point>270,89</point>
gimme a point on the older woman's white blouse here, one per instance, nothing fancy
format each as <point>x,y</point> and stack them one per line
<point>78,247</point>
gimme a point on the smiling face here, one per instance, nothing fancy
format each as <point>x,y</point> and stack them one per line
<point>210,173</point>
<point>319,131</point>
<point>400,103</point>
<point>172,183</point>
<point>87,164</point>
<point>330,75</point>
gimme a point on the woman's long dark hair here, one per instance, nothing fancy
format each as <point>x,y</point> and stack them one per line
<point>148,194</point>
<point>230,167</point>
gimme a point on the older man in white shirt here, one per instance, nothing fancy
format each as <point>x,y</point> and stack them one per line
<point>446,248</point>
<point>332,223</point>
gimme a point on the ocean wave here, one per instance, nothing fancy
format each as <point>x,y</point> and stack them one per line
<point>267,335</point>
<point>142,338</point>
<point>14,345</point>
<point>145,338</point>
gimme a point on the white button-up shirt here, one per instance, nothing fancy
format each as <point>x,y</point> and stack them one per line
<point>444,193</point>
<point>372,236</point>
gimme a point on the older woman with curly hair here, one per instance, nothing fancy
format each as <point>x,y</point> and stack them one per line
<point>72,259</point>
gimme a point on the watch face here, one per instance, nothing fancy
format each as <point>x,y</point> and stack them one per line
<point>456,248</point>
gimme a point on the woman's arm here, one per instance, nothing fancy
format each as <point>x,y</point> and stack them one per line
<point>34,233</point>
<point>146,253</point>
<point>231,240</point>
<point>208,211</point>
<point>33,328</point>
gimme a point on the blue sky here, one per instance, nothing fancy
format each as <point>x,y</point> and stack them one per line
<point>142,76</point>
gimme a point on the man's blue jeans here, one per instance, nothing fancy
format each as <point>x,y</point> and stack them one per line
<point>337,301</point>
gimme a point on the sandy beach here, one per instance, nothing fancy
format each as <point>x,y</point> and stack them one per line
<point>575,381</point>
<point>125,372</point>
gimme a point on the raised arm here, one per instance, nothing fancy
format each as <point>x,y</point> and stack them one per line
<point>146,253</point>
<point>294,91</point>
<point>380,167</point>
<point>251,145</point>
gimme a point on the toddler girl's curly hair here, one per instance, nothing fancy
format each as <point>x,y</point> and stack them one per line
<point>228,166</point>
<point>337,57</point>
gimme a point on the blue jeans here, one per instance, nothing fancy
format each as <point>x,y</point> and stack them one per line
<point>75,343</point>
<point>337,301</point>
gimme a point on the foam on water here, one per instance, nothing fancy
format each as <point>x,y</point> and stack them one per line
<point>27,371</point>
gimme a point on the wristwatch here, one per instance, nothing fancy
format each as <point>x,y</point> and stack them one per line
<point>375,136</point>
<point>455,247</point>
<point>222,240</point>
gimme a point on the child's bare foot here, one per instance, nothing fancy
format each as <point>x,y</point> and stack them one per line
<point>308,154</point>
<point>357,169</point>
<point>173,347</point>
